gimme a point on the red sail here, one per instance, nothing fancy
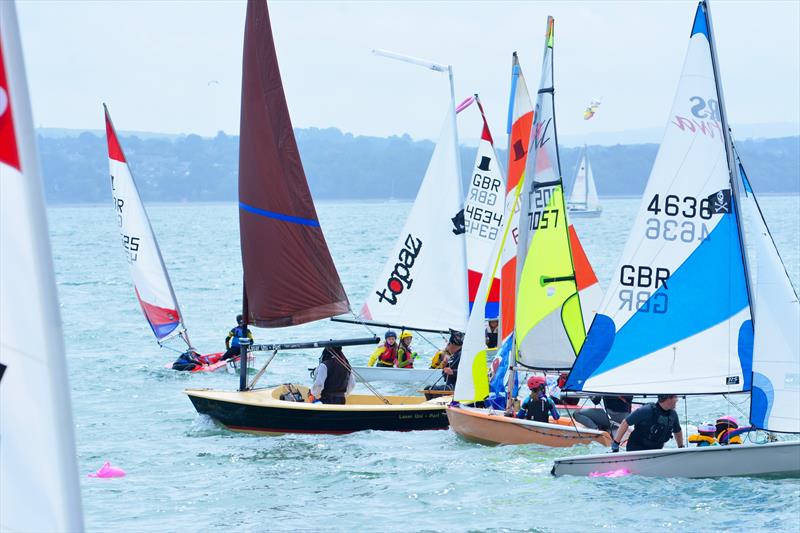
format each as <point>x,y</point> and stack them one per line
<point>289,276</point>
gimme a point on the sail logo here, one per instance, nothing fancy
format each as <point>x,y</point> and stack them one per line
<point>707,119</point>
<point>400,277</point>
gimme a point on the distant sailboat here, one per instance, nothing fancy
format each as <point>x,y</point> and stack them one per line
<point>583,202</point>
<point>151,281</point>
<point>684,313</point>
<point>289,275</point>
<point>39,489</point>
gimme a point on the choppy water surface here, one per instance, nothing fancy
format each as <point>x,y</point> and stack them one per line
<point>185,474</point>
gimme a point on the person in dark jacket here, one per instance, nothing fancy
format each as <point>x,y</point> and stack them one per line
<point>187,361</point>
<point>654,424</point>
<point>232,348</point>
<point>450,369</point>
<point>492,330</point>
<point>538,406</point>
<point>333,378</point>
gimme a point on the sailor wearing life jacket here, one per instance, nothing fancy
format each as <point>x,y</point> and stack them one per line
<point>333,379</point>
<point>654,424</point>
<point>538,406</point>
<point>232,348</point>
<point>385,355</point>
<point>405,355</point>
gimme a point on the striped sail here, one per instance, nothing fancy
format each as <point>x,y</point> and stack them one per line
<point>424,281</point>
<point>520,120</point>
<point>150,279</point>
<point>484,208</point>
<point>676,318</point>
<point>39,488</point>
<point>775,396</point>
<point>549,321</point>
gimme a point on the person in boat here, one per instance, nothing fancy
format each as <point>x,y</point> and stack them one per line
<point>654,424</point>
<point>451,360</point>
<point>385,355</point>
<point>492,330</point>
<point>439,359</point>
<point>187,361</point>
<point>538,406</point>
<point>232,348</point>
<point>405,355</point>
<point>616,408</point>
<point>333,378</point>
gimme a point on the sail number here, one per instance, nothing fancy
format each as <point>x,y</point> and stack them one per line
<point>131,245</point>
<point>483,222</point>
<point>541,218</point>
<point>644,295</point>
<point>688,207</point>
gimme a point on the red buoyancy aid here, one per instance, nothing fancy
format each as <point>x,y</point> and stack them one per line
<point>405,358</point>
<point>389,355</point>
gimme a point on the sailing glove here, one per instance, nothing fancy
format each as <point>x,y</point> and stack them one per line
<point>614,446</point>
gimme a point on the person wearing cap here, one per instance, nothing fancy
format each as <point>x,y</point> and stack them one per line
<point>654,424</point>
<point>232,348</point>
<point>405,355</point>
<point>492,330</point>
<point>453,348</point>
<point>385,355</point>
<point>538,406</point>
<point>333,378</point>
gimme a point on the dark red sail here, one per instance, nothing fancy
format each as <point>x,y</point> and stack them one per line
<point>289,276</point>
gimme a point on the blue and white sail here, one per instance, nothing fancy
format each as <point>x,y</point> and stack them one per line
<point>775,396</point>
<point>676,317</point>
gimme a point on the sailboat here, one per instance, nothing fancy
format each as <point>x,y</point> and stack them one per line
<point>583,202</point>
<point>151,281</point>
<point>289,275</point>
<point>549,321</point>
<point>423,284</point>
<point>39,489</point>
<point>685,314</point>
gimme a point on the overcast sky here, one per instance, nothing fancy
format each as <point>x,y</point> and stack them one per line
<point>175,67</point>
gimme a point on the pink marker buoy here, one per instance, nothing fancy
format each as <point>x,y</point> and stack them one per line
<point>611,473</point>
<point>108,471</point>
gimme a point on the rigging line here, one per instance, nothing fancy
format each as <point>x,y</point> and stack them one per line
<point>345,363</point>
<point>170,348</point>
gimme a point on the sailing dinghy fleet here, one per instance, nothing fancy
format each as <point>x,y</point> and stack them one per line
<point>687,312</point>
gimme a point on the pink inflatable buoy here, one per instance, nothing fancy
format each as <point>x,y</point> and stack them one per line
<point>611,473</point>
<point>108,471</point>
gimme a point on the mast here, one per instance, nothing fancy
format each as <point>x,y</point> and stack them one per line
<point>732,168</point>
<point>586,178</point>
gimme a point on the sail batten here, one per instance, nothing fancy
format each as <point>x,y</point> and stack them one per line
<point>289,275</point>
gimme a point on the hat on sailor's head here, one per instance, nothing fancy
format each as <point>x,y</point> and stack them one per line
<point>456,337</point>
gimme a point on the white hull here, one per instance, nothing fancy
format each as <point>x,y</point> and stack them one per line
<point>713,461</point>
<point>396,375</point>
<point>576,212</point>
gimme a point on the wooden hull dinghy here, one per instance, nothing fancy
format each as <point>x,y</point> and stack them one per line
<point>493,427</point>
<point>263,411</point>
<point>774,458</point>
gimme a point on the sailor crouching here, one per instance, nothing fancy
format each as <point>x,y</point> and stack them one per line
<point>333,379</point>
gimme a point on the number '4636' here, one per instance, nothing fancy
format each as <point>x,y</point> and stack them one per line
<point>673,205</point>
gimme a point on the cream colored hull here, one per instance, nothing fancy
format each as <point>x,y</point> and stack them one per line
<point>484,426</point>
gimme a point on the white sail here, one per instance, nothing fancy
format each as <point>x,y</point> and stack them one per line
<point>424,281</point>
<point>584,192</point>
<point>150,279</point>
<point>775,396</point>
<point>39,488</point>
<point>484,208</point>
<point>676,318</point>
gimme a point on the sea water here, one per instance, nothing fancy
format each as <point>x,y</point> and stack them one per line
<point>187,474</point>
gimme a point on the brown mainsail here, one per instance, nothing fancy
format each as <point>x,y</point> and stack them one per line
<point>289,276</point>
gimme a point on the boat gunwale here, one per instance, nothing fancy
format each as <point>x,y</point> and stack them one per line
<point>523,423</point>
